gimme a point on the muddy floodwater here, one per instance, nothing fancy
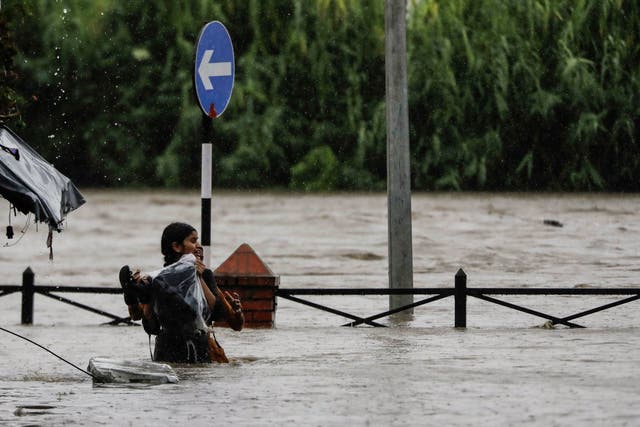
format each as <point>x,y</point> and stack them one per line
<point>505,368</point>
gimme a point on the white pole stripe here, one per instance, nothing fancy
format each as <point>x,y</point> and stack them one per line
<point>205,185</point>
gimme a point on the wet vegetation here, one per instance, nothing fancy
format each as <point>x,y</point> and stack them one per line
<point>503,94</point>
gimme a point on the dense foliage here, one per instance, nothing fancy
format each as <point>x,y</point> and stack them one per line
<point>10,100</point>
<point>503,94</point>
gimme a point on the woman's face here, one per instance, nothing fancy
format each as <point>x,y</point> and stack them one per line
<point>190,245</point>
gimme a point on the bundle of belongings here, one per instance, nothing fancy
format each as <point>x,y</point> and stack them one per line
<point>179,312</point>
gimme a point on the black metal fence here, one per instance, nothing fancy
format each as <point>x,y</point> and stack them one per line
<point>460,292</point>
<point>29,289</point>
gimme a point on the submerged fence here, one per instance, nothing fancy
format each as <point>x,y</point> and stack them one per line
<point>460,293</point>
<point>29,289</point>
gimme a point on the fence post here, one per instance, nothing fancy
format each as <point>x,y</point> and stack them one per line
<point>461,299</point>
<point>28,289</point>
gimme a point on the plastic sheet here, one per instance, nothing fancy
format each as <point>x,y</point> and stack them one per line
<point>179,301</point>
<point>32,184</point>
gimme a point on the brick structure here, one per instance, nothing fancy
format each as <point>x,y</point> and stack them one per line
<point>245,273</point>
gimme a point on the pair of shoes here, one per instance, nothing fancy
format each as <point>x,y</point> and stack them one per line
<point>127,283</point>
<point>134,292</point>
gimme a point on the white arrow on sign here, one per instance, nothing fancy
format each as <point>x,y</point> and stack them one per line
<point>207,69</point>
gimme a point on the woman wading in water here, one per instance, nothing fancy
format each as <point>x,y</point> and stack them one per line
<point>179,302</point>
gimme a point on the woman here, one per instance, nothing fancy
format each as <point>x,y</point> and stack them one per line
<point>177,302</point>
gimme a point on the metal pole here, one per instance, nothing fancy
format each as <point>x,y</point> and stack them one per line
<point>28,289</point>
<point>205,189</point>
<point>460,297</point>
<point>398,162</point>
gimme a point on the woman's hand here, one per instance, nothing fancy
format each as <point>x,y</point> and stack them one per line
<point>136,276</point>
<point>235,318</point>
<point>200,267</point>
<point>234,300</point>
<point>140,279</point>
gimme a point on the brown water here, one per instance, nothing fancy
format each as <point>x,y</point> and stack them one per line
<point>504,369</point>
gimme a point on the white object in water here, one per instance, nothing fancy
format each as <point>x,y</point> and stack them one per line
<point>109,370</point>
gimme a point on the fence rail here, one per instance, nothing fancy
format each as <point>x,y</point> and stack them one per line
<point>460,292</point>
<point>29,289</point>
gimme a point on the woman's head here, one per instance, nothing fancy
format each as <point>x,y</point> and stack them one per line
<point>178,239</point>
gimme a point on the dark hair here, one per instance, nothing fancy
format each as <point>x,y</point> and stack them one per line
<point>174,232</point>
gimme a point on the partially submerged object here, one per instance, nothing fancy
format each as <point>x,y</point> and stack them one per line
<point>553,223</point>
<point>108,370</point>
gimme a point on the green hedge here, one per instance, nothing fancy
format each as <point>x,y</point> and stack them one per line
<point>503,94</point>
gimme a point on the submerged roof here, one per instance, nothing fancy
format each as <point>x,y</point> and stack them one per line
<point>244,262</point>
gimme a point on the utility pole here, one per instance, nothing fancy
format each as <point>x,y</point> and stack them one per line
<point>398,161</point>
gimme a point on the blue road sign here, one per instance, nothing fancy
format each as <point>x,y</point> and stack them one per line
<point>214,68</point>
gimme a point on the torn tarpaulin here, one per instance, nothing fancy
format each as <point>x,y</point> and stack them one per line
<point>32,184</point>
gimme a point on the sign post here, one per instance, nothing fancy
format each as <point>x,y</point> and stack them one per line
<point>213,79</point>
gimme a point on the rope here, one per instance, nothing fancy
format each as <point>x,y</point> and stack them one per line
<point>150,352</point>
<point>22,232</point>
<point>191,346</point>
<point>46,349</point>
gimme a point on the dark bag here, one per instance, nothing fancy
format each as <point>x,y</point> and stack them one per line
<point>216,353</point>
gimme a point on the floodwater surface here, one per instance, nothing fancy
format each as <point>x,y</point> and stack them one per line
<point>505,368</point>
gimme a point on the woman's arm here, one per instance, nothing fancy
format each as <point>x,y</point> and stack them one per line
<point>230,304</point>
<point>233,309</point>
<point>208,294</point>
